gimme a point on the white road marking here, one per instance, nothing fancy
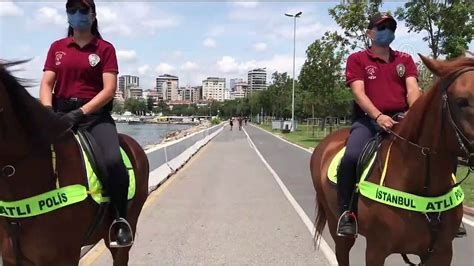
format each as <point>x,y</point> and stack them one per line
<point>468,221</point>
<point>327,251</point>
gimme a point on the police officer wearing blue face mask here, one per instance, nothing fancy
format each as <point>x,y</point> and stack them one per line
<point>79,83</point>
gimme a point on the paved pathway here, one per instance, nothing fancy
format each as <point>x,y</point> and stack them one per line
<point>292,165</point>
<point>223,207</point>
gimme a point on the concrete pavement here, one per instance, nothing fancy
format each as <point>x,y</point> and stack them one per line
<point>223,207</point>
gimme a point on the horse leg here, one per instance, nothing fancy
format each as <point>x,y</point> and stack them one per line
<point>374,253</point>
<point>441,256</point>
<point>343,244</point>
<point>120,256</point>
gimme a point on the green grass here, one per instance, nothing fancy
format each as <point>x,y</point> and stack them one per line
<point>303,136</point>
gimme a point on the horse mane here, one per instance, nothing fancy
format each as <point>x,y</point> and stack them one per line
<point>20,99</point>
<point>38,121</point>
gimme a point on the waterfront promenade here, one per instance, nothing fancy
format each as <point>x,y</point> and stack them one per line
<point>241,200</point>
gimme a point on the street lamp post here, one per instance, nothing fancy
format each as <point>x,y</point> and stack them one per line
<point>294,53</point>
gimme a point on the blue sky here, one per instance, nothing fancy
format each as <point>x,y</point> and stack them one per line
<point>192,40</point>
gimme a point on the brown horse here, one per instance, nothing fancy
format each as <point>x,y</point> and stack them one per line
<point>442,123</point>
<point>26,131</point>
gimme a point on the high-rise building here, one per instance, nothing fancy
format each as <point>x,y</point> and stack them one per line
<point>240,91</point>
<point>135,93</point>
<point>168,85</point>
<point>213,89</point>
<point>119,97</point>
<point>126,82</point>
<point>257,79</point>
<point>233,82</point>
<point>197,94</point>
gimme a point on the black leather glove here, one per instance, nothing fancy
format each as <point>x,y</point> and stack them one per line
<point>74,117</point>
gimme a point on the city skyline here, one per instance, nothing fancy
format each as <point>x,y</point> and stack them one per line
<point>189,40</point>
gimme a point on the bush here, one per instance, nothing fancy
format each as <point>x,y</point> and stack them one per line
<point>215,121</point>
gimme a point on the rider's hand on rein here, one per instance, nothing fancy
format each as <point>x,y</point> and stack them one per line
<point>385,122</point>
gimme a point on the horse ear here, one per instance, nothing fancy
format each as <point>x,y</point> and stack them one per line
<point>433,65</point>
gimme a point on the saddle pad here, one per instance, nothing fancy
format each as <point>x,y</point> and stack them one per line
<point>332,170</point>
<point>94,184</point>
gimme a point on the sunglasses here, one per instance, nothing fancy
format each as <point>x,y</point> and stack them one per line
<point>385,26</point>
<point>82,10</point>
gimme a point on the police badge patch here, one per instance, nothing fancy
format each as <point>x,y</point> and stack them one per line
<point>94,60</point>
<point>401,70</point>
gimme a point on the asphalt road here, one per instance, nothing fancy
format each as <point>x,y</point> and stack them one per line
<point>292,166</point>
<point>223,207</point>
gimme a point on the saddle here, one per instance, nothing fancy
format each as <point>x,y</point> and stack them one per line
<point>367,157</point>
<point>365,162</point>
<point>97,174</point>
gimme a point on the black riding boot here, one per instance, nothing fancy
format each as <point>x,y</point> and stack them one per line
<point>347,223</point>
<point>122,229</point>
<point>120,226</point>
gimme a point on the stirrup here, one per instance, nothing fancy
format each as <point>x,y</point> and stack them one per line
<point>352,214</point>
<point>461,231</point>
<point>115,244</point>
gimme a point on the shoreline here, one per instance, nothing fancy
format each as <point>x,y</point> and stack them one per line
<point>179,134</point>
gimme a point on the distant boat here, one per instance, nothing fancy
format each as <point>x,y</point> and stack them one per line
<point>134,120</point>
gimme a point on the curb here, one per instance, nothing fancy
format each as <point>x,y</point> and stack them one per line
<point>467,210</point>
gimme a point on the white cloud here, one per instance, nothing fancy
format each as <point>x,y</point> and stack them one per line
<point>177,53</point>
<point>189,66</point>
<point>245,4</point>
<point>216,30</point>
<point>10,9</point>
<point>143,70</point>
<point>49,16</point>
<point>260,46</point>
<point>307,31</point>
<point>127,55</point>
<point>164,68</point>
<point>227,64</point>
<point>209,43</point>
<point>162,23</point>
<point>121,19</point>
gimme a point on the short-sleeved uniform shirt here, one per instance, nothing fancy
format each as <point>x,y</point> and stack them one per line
<point>384,82</point>
<point>79,70</point>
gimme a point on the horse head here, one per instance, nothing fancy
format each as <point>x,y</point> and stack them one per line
<point>24,121</point>
<point>456,86</point>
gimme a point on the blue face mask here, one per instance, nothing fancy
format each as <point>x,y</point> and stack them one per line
<point>79,21</point>
<point>384,37</point>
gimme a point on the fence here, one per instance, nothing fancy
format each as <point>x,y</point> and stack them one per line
<point>169,157</point>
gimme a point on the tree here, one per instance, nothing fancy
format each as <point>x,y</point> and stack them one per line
<point>277,98</point>
<point>322,77</point>
<point>353,19</point>
<point>135,106</point>
<point>150,103</point>
<point>425,77</point>
<point>117,107</point>
<point>448,24</point>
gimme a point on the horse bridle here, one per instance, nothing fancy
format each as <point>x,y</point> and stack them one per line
<point>461,138</point>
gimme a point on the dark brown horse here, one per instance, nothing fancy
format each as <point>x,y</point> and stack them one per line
<point>26,131</point>
<point>445,125</point>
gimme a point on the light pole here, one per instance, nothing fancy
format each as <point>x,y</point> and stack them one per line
<point>294,53</point>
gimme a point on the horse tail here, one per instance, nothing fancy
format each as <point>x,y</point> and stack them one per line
<point>320,221</point>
